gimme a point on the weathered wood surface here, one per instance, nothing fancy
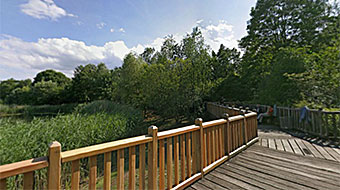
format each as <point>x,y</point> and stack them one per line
<point>279,140</point>
<point>264,168</point>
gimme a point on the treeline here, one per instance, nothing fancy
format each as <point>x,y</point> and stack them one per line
<point>291,54</point>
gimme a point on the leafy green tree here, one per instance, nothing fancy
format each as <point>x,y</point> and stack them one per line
<point>129,88</point>
<point>90,82</point>
<point>46,92</point>
<point>225,63</point>
<point>51,75</point>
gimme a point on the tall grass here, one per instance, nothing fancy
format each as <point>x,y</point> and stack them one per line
<point>89,124</point>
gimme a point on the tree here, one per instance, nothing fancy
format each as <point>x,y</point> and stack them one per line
<point>275,25</point>
<point>8,86</point>
<point>90,82</point>
<point>46,92</point>
<point>130,79</point>
<point>51,75</point>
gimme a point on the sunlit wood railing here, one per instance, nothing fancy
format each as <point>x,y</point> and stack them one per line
<point>170,159</point>
<point>316,122</point>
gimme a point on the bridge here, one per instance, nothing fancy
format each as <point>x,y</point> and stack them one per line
<point>231,152</point>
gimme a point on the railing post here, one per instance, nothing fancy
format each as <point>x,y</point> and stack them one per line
<point>201,159</point>
<point>245,135</point>
<point>54,165</point>
<point>152,158</point>
<point>227,131</point>
<point>3,184</point>
<point>319,121</point>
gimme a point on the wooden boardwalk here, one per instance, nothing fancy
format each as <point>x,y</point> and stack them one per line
<point>273,138</point>
<point>260,167</point>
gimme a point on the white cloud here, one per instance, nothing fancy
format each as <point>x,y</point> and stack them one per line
<point>21,59</point>
<point>101,25</point>
<point>44,9</point>
<point>222,33</point>
<point>112,30</point>
<point>121,30</point>
<point>61,54</point>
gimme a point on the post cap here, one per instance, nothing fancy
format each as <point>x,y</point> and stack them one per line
<point>152,129</point>
<point>198,121</point>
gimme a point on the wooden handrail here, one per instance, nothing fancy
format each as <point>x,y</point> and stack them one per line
<point>178,131</point>
<point>16,168</point>
<point>194,150</point>
<point>79,153</point>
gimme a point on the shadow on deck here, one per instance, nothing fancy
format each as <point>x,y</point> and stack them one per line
<point>260,167</point>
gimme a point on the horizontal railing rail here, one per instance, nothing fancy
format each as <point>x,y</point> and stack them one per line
<point>317,122</point>
<point>170,159</point>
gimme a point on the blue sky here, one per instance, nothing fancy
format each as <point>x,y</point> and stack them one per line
<point>61,34</point>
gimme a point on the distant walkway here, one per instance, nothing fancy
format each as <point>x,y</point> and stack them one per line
<point>272,137</point>
<point>263,168</point>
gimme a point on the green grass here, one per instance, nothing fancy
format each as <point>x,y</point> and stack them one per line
<point>85,125</point>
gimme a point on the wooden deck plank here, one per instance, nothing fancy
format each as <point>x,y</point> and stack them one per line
<point>264,142</point>
<point>286,145</point>
<point>323,152</point>
<point>295,147</point>
<point>332,152</point>
<point>279,145</point>
<point>307,180</point>
<point>337,150</point>
<point>264,168</point>
<point>272,176</point>
<point>311,148</point>
<point>277,183</point>
<point>251,178</point>
<point>232,180</point>
<point>303,148</point>
<point>298,169</point>
<point>321,164</point>
<point>222,182</point>
<point>199,186</point>
<point>210,184</point>
<point>271,143</point>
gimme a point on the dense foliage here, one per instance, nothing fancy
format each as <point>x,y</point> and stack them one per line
<point>89,124</point>
<point>290,55</point>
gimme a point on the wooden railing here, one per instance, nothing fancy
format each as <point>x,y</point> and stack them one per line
<point>320,123</point>
<point>170,159</point>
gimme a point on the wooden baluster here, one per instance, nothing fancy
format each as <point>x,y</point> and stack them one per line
<point>208,146</point>
<point>28,180</point>
<point>182,144</point>
<point>200,147</point>
<point>335,128</point>
<point>120,169</point>
<point>152,158</point>
<point>204,148</point>
<point>319,122</point>
<point>245,128</point>
<point>169,162</point>
<point>54,168</point>
<point>93,172</point>
<point>132,167</point>
<point>217,140</point>
<point>75,175</point>
<point>227,134</point>
<point>3,185</point>
<point>142,166</point>
<point>234,130</point>
<point>107,171</point>
<point>222,137</point>
<point>161,164</point>
<point>195,152</point>
<point>176,159</point>
<point>213,143</point>
<point>188,144</point>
